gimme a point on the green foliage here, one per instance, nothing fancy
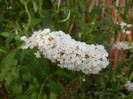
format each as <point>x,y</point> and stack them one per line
<point>23,76</point>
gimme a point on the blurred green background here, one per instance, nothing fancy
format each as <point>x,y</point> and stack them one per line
<point>23,76</point>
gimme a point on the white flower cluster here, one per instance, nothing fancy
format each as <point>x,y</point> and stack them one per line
<point>123,27</point>
<point>129,86</point>
<point>66,52</point>
<point>123,45</point>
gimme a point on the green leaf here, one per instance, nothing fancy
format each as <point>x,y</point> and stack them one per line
<point>91,5</point>
<point>8,62</point>
<point>123,16</point>
<point>39,67</point>
<point>54,86</point>
<point>98,23</point>
<point>25,26</point>
<point>98,80</point>
<point>70,3</point>
<point>53,95</point>
<point>31,90</point>
<point>122,54</point>
<point>131,77</point>
<point>62,73</point>
<point>1,50</point>
<point>25,73</point>
<point>110,71</point>
<point>59,3</point>
<point>127,6</point>
<point>35,6</point>
<point>99,37</point>
<point>8,34</point>
<point>119,66</point>
<point>20,96</point>
<point>116,86</point>
<point>44,65</point>
<point>16,87</point>
<point>18,37</point>
<point>22,55</point>
<point>64,8</point>
<point>9,80</point>
<point>35,22</point>
<point>47,20</point>
<point>82,3</point>
<point>68,16</point>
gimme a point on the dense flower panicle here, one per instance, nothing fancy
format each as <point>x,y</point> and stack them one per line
<point>66,52</point>
<point>129,86</point>
<point>123,45</point>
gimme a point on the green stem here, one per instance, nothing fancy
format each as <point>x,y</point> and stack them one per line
<point>40,7</point>
<point>27,11</point>
<point>3,51</point>
<point>71,26</point>
<point>39,96</point>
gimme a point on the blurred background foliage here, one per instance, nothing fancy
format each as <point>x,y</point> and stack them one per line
<point>22,76</point>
